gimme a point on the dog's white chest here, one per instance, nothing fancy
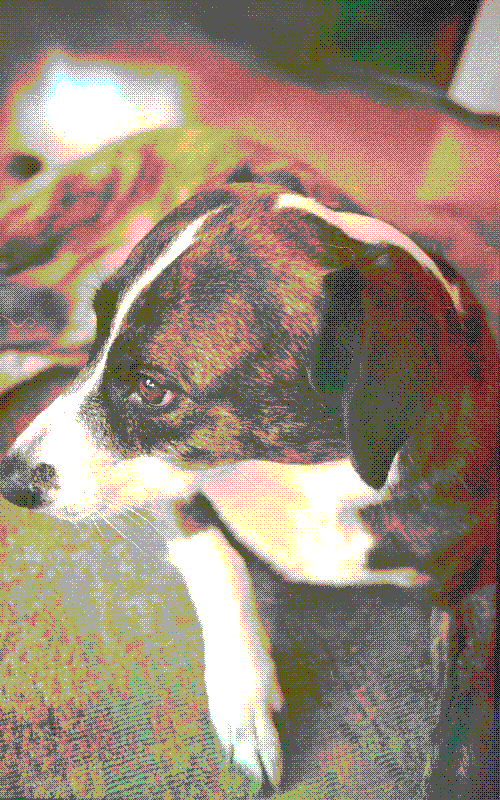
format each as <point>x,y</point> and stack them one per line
<point>301,519</point>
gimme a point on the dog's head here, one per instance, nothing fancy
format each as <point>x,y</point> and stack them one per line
<point>248,324</point>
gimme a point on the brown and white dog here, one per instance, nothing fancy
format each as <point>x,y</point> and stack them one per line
<point>311,380</point>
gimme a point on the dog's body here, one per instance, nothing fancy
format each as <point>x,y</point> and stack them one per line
<point>308,378</point>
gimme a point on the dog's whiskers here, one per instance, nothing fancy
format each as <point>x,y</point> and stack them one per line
<point>96,526</point>
<point>127,539</point>
<point>141,516</point>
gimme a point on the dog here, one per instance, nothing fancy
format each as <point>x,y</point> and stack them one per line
<point>311,380</point>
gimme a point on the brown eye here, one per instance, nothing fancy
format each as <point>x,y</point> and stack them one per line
<point>153,393</point>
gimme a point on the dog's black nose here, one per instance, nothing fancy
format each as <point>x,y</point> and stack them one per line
<point>25,484</point>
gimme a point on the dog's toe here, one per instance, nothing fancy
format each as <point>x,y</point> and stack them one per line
<point>256,750</point>
<point>241,704</point>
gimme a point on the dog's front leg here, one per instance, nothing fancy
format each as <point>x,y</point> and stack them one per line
<point>240,674</point>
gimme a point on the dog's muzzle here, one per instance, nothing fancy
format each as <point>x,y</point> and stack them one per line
<point>26,484</point>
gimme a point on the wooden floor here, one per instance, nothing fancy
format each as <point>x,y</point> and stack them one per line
<point>375,141</point>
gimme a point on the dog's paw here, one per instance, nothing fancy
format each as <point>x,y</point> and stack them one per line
<point>243,691</point>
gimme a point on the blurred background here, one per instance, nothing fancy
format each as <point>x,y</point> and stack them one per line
<point>375,94</point>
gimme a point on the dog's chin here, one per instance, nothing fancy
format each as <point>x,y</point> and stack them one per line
<point>68,513</point>
<point>86,513</point>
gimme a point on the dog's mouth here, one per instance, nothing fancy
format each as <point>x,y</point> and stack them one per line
<point>135,483</point>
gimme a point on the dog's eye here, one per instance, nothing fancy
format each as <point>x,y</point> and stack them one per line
<point>150,392</point>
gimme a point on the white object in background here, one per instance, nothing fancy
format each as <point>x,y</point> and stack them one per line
<point>476,83</point>
<point>75,105</point>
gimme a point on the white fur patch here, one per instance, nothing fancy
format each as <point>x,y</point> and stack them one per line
<point>90,479</point>
<point>240,675</point>
<point>372,231</point>
<point>303,520</point>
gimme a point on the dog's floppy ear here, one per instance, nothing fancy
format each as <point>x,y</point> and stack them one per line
<point>376,359</point>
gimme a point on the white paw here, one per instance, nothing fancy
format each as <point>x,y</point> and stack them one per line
<point>243,691</point>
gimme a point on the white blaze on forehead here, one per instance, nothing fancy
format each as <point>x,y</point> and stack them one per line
<point>69,403</point>
<point>372,231</point>
<point>175,249</point>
